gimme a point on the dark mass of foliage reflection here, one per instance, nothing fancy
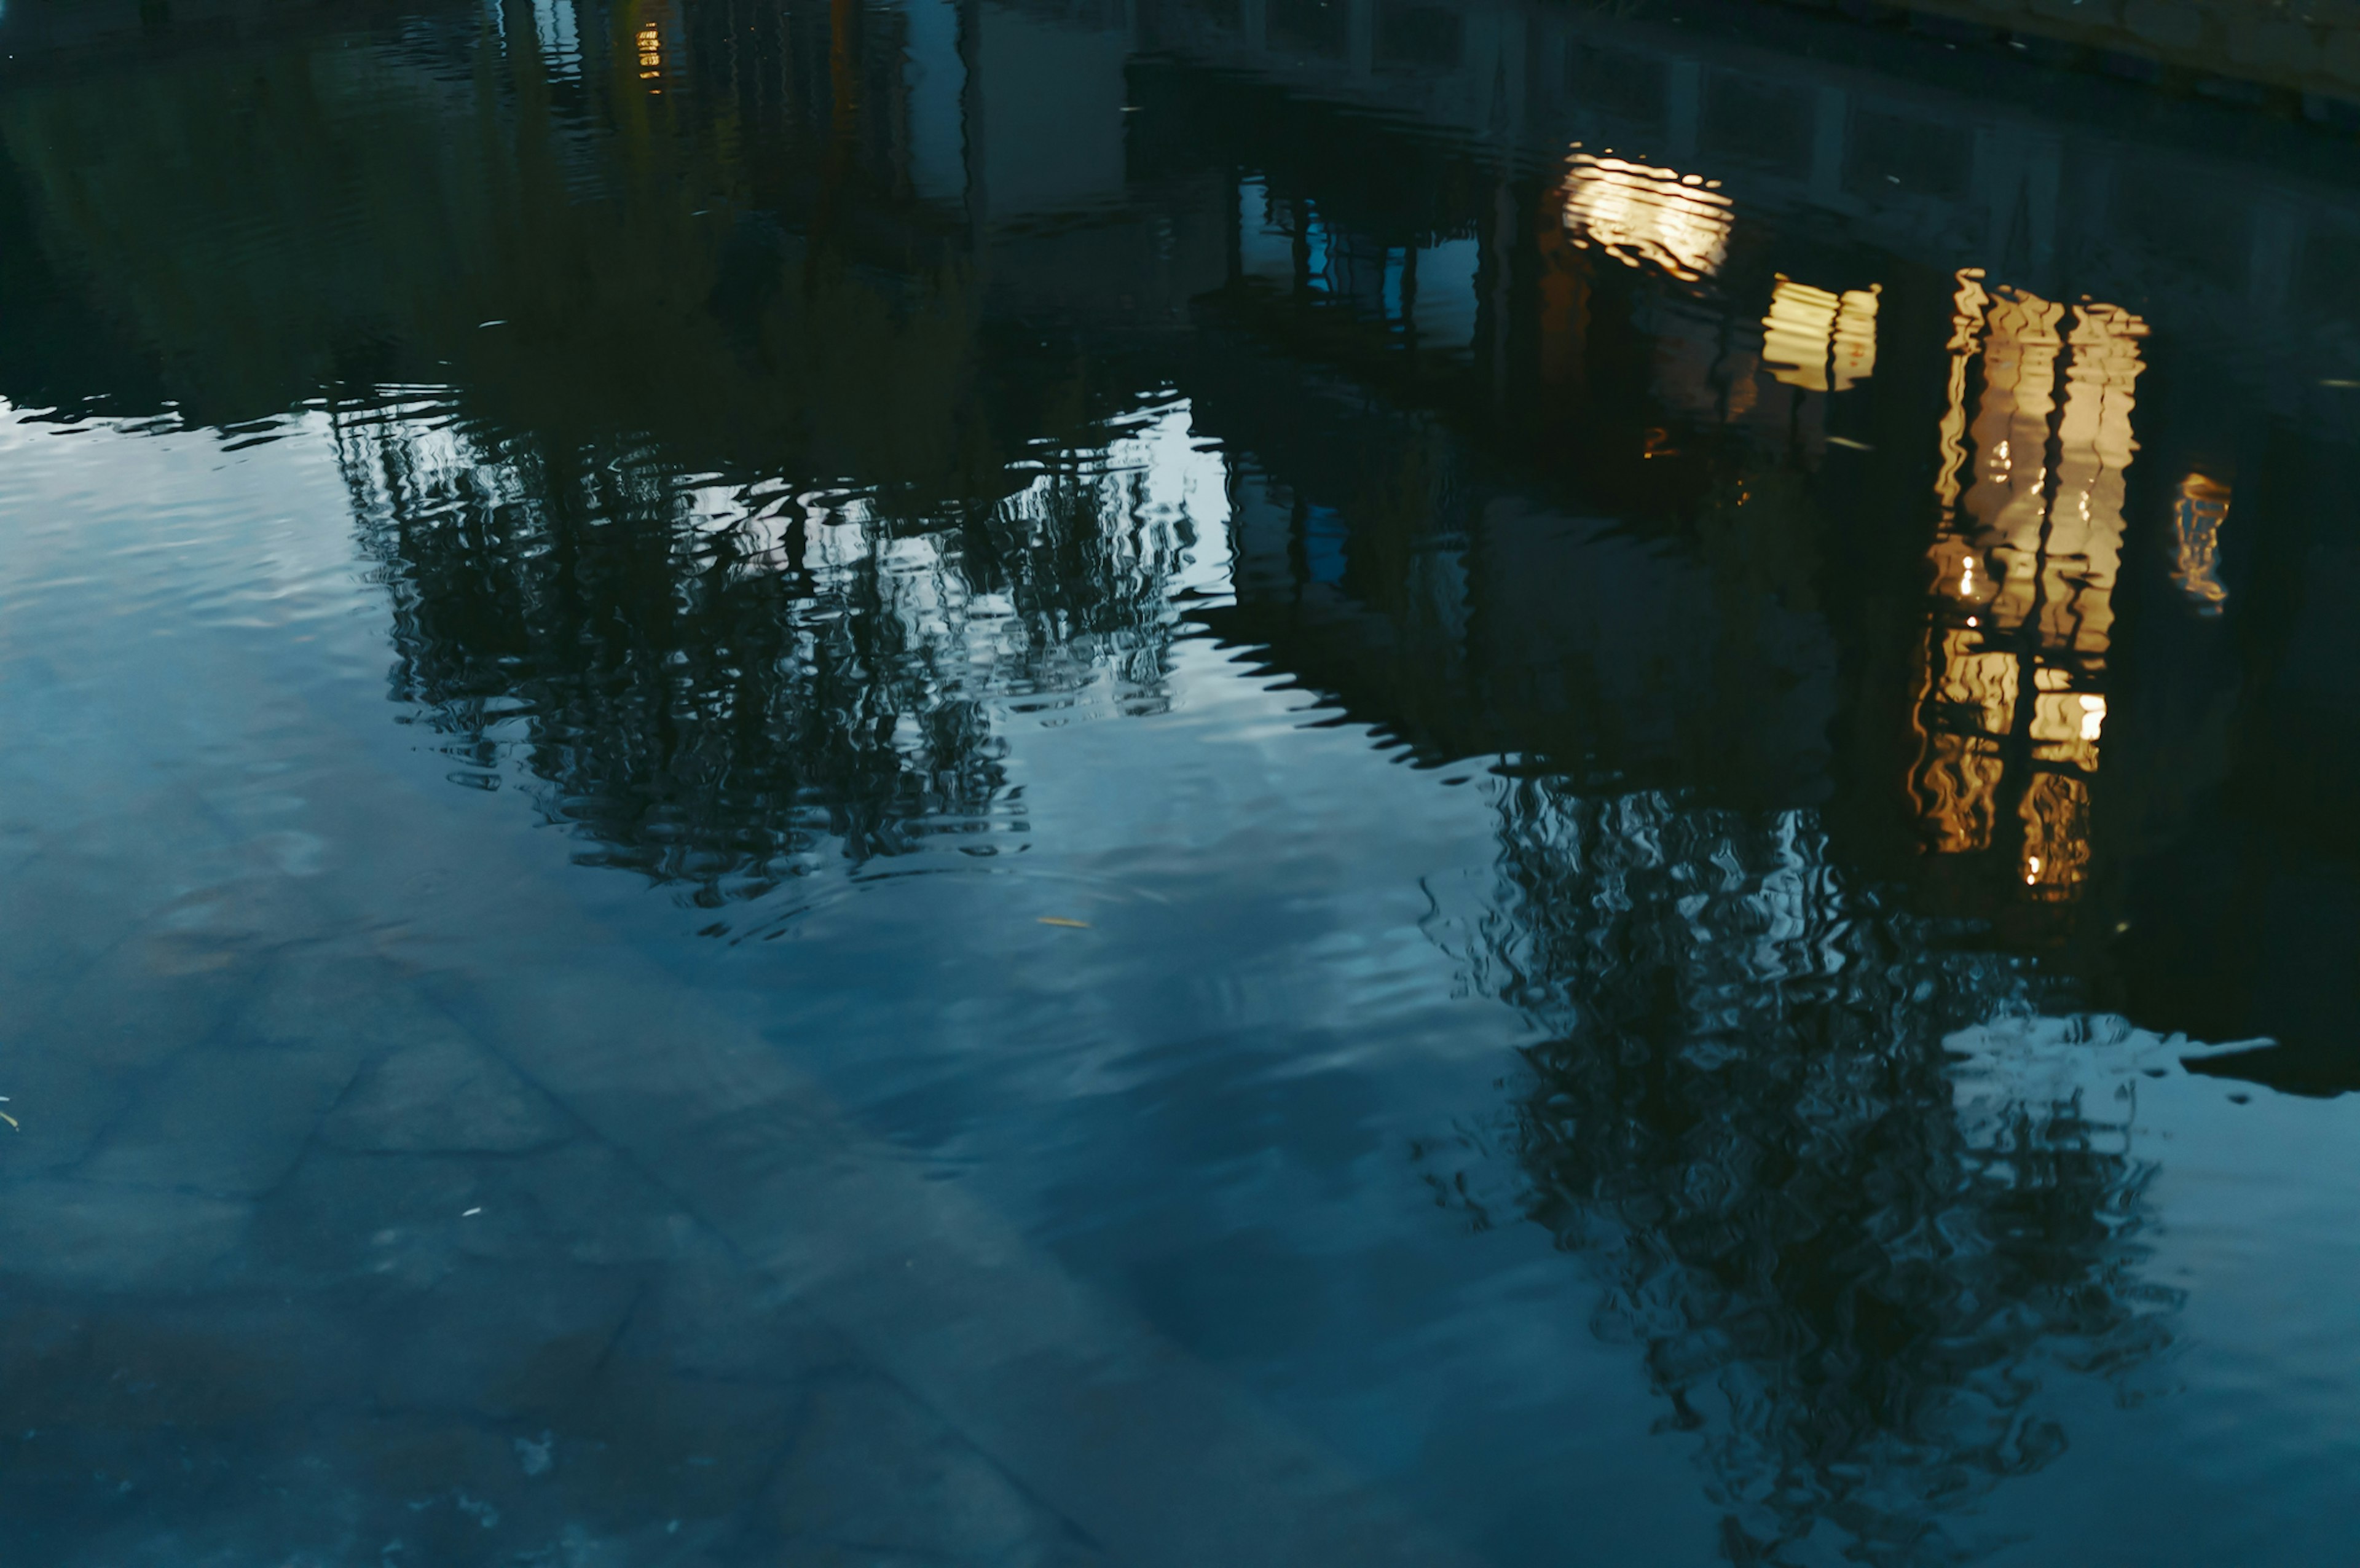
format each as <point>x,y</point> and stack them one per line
<point>1851,1275</point>
<point>721,685</point>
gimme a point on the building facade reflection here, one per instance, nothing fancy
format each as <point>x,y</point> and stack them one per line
<point>2011,703</point>
<point>1605,542</point>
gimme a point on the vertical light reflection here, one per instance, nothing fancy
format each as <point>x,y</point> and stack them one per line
<point>1818,340</point>
<point>1966,337</point>
<point>1796,332</point>
<point>2197,514</point>
<point>1854,350</point>
<point>2011,706</point>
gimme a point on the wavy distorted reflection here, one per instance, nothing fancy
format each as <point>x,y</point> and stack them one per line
<point>2197,514</point>
<point>717,684</point>
<point>1847,1276</point>
<point>2012,703</point>
<point>1641,215</point>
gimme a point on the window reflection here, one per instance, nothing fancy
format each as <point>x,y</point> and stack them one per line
<point>2012,708</point>
<point>1818,340</point>
<point>1641,215</point>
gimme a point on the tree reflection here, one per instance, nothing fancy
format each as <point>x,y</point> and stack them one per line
<point>1847,1278</point>
<point>717,683</point>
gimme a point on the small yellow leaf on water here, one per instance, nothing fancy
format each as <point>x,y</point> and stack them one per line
<point>12,1121</point>
<point>1062,920</point>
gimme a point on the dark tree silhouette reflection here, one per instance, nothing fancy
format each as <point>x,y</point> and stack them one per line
<point>1847,1273</point>
<point>720,684</point>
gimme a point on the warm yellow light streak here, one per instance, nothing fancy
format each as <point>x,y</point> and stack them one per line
<point>1967,306</point>
<point>1818,340</point>
<point>2026,556</point>
<point>1646,216</point>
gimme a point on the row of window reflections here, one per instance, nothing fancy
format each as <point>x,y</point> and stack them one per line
<point>2032,455</point>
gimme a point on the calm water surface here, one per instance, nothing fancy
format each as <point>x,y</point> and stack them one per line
<point>1617,755</point>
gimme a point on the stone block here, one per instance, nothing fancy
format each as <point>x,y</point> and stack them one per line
<point>507,1341</point>
<point>388,1223</point>
<point>443,1094</point>
<point>582,1202</point>
<point>91,1236</point>
<point>874,1476</point>
<point>706,1315</point>
<point>230,1119</point>
<point>72,1062</point>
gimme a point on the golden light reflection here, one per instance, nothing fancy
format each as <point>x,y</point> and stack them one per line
<point>1854,348</point>
<point>2196,519</point>
<point>1646,216</point>
<point>2011,705</point>
<point>1818,340</point>
<point>650,45</point>
<point>1967,307</point>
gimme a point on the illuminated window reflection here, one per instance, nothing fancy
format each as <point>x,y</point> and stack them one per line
<point>650,42</point>
<point>1818,341</point>
<point>2012,706</point>
<point>1646,216</point>
<point>2196,519</point>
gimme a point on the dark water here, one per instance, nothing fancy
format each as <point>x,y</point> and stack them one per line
<point>1613,756</point>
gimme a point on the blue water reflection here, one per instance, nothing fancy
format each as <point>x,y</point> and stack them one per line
<point>1428,783</point>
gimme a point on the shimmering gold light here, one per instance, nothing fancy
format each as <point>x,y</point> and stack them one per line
<point>2024,564</point>
<point>650,42</point>
<point>2196,519</point>
<point>1966,336</point>
<point>1641,215</point>
<point>1854,355</point>
<point>1818,340</point>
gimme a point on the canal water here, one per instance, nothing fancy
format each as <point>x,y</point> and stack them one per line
<point>1169,781</point>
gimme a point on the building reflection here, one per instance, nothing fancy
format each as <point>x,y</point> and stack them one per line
<point>1602,542</point>
<point>2011,705</point>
